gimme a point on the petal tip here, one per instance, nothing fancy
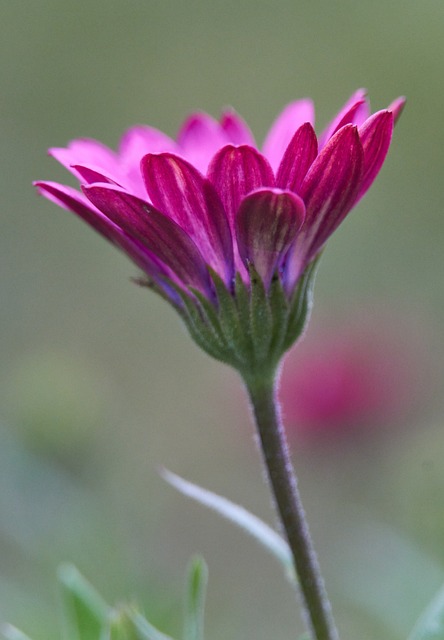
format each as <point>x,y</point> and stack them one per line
<point>397,107</point>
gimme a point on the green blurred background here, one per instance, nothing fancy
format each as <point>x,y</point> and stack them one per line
<point>100,385</point>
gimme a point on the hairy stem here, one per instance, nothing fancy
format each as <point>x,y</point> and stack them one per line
<point>289,506</point>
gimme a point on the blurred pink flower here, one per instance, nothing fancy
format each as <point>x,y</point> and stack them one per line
<point>212,199</point>
<point>349,380</point>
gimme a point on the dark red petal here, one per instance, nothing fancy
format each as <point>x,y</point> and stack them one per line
<point>298,158</point>
<point>160,235</point>
<point>74,201</point>
<point>235,172</point>
<point>329,191</point>
<point>92,174</point>
<point>178,190</point>
<point>71,199</point>
<point>266,225</point>
<point>375,135</point>
<point>331,184</point>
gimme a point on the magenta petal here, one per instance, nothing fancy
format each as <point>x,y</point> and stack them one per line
<point>178,190</point>
<point>355,111</point>
<point>86,152</point>
<point>160,235</point>
<point>236,130</point>
<point>283,129</point>
<point>397,107</point>
<point>136,143</point>
<point>199,139</point>
<point>140,140</point>
<point>74,201</point>
<point>298,158</point>
<point>266,225</point>
<point>375,135</point>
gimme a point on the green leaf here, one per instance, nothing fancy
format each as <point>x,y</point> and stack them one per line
<point>245,520</point>
<point>86,613</point>
<point>430,625</point>
<point>12,633</point>
<point>195,602</point>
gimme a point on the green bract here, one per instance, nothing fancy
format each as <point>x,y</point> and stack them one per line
<point>251,328</point>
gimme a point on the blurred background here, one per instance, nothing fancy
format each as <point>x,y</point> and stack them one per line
<point>99,383</point>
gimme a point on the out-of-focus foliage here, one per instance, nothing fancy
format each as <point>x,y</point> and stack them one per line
<point>86,616</point>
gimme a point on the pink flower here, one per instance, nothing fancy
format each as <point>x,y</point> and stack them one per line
<point>352,379</point>
<point>211,199</point>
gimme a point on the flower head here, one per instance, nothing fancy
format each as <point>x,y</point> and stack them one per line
<point>215,224</point>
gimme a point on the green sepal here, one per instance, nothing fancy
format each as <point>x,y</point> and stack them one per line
<point>147,283</point>
<point>301,304</point>
<point>201,330</point>
<point>210,315</point>
<point>85,612</point>
<point>195,599</point>
<point>280,313</point>
<point>249,326</point>
<point>229,319</point>
<point>260,316</point>
<point>242,297</point>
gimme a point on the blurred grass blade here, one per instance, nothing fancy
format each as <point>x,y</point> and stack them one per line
<point>86,613</point>
<point>245,520</point>
<point>121,626</point>
<point>125,623</point>
<point>195,599</point>
<point>430,625</point>
<point>9,632</point>
<point>145,630</point>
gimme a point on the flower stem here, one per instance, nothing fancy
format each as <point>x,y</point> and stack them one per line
<point>289,506</point>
